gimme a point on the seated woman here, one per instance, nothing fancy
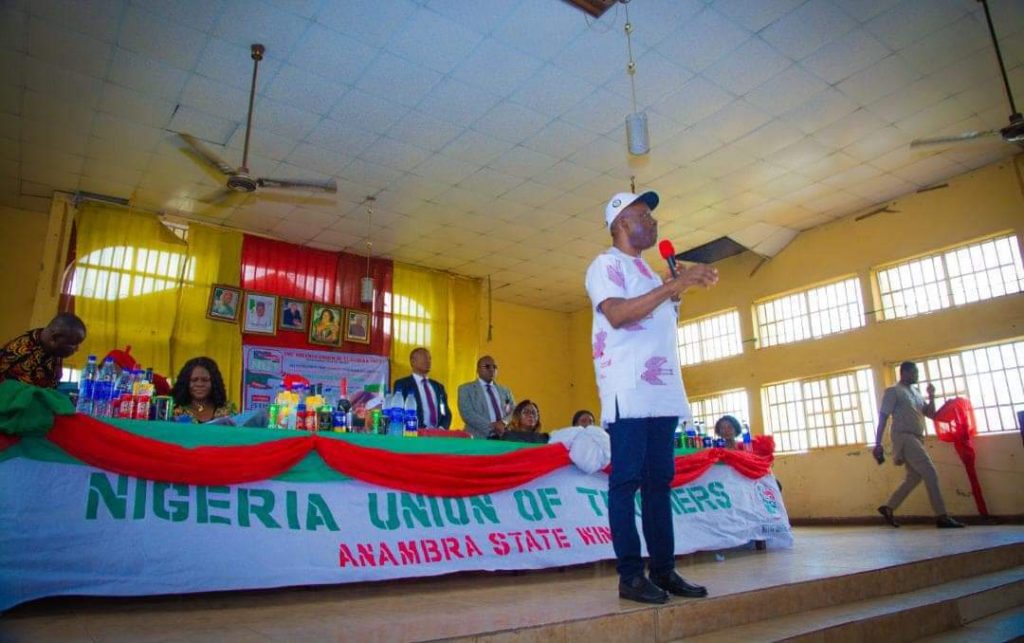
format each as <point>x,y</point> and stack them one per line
<point>583,417</point>
<point>728,428</point>
<point>199,392</point>
<point>524,425</point>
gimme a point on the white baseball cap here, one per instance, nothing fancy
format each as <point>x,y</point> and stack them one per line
<point>623,200</point>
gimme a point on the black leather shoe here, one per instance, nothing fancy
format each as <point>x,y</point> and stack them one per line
<point>673,583</point>
<point>642,590</point>
<point>887,514</point>
<point>946,522</point>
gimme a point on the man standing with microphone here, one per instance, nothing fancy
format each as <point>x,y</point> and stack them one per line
<point>642,397</point>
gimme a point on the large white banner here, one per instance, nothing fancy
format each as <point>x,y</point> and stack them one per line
<point>71,529</point>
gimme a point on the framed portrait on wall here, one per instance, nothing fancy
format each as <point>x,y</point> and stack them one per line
<point>357,326</point>
<point>223,304</point>
<point>260,314</point>
<point>294,314</point>
<point>325,325</point>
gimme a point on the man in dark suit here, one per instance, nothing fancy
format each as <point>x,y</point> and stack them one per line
<point>432,408</point>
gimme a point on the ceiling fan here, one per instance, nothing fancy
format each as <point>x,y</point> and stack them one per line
<point>1012,133</point>
<point>239,180</point>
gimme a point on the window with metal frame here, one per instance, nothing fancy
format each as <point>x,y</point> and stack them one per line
<point>709,338</point>
<point>809,314</point>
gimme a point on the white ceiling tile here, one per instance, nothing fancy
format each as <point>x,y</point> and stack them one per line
<point>870,146</point>
<point>984,96</point>
<point>345,138</point>
<point>540,27</point>
<point>552,91</point>
<point>602,154</point>
<point>783,185</point>
<point>786,90</point>
<point>565,175</point>
<point>724,160</point>
<point>13,27</point>
<point>53,111</point>
<point>331,55</point>
<point>750,65</point>
<point>967,35</point>
<point>907,101</point>
<point>318,159</point>
<point>12,69</point>
<point>60,162</point>
<point>391,153</point>
<point>397,80</point>
<point>262,143</point>
<point>95,19</point>
<point>111,172</point>
<point>211,129</point>
<point>558,138</point>
<point>522,162</point>
<point>371,174</point>
<point>245,22</point>
<point>687,146</point>
<point>597,57</point>
<point>418,187</point>
<point>929,120</point>
<point>697,99</point>
<point>734,120</point>
<point>830,165</point>
<point>133,135</point>
<point>770,138</point>
<point>420,130</point>
<point>457,103</point>
<point>929,171</point>
<point>496,67</point>
<point>481,17</point>
<point>371,21</point>
<point>820,110</point>
<point>533,194</point>
<point>656,78</point>
<point>965,72</point>
<point>68,50</point>
<point>849,129</point>
<point>678,182</point>
<point>280,117</point>
<point>853,176</point>
<point>433,41</point>
<point>444,169</point>
<point>304,90</point>
<point>198,14</point>
<point>134,106</point>
<point>879,80</point>
<point>908,22</point>
<point>510,122</point>
<point>370,112</point>
<point>702,40</point>
<point>882,188</point>
<point>145,33</point>
<point>64,84</point>
<point>755,14</point>
<point>474,147</point>
<point>490,183</point>
<point>864,10</point>
<point>807,28</point>
<point>146,75</point>
<point>209,96</point>
<point>845,56</point>
<point>602,112</point>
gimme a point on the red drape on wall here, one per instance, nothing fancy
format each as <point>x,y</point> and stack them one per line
<point>289,270</point>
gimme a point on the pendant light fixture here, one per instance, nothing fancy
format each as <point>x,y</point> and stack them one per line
<point>638,140</point>
<point>366,285</point>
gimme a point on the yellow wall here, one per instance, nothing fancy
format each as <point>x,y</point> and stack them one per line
<point>21,264</point>
<point>819,483</point>
<point>532,350</point>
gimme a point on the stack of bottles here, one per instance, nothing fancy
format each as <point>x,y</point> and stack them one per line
<point>104,392</point>
<point>401,415</point>
<point>319,409</point>
<point>696,437</point>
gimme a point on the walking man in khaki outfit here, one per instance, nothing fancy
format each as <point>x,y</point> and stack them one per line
<point>908,410</point>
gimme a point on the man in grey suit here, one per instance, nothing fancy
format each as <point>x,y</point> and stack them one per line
<point>484,404</point>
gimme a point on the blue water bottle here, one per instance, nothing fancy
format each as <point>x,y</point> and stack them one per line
<point>85,386</point>
<point>103,390</point>
<point>411,419</point>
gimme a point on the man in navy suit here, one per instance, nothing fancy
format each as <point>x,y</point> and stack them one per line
<point>432,408</point>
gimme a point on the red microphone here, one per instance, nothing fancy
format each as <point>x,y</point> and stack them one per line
<point>668,253</point>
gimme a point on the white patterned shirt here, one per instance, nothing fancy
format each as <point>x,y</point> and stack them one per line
<point>637,365</point>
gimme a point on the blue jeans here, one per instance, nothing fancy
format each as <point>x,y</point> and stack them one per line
<point>642,458</point>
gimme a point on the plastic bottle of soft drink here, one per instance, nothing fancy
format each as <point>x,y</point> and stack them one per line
<point>411,421</point>
<point>142,396</point>
<point>85,386</point>
<point>103,390</point>
<point>395,412</point>
<point>126,386</point>
<point>678,440</point>
<point>747,446</point>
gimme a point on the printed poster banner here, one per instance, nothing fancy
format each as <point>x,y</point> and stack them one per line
<point>79,530</point>
<point>263,369</point>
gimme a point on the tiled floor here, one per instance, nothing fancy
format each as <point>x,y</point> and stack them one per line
<point>471,604</point>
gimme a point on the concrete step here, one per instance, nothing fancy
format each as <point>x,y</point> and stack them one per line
<point>1007,625</point>
<point>897,617</point>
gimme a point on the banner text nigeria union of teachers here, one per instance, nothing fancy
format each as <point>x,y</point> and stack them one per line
<point>122,498</point>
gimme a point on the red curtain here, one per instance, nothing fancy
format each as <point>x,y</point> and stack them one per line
<point>289,270</point>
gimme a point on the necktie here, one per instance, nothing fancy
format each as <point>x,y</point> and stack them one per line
<point>494,402</point>
<point>432,420</point>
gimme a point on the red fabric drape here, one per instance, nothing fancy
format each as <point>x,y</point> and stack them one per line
<point>118,451</point>
<point>289,270</point>
<point>443,475</point>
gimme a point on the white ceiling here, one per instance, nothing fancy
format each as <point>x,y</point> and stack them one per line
<point>491,131</point>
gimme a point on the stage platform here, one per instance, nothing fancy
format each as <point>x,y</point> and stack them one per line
<point>836,584</point>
